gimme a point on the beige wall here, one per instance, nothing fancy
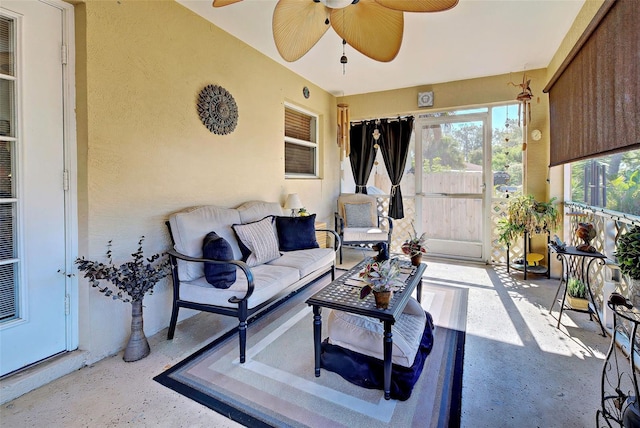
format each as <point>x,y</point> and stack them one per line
<point>143,152</point>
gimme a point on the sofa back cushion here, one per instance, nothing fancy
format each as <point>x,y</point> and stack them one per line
<point>189,227</point>
<point>257,210</point>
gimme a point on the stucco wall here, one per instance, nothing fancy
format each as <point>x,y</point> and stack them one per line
<point>143,152</point>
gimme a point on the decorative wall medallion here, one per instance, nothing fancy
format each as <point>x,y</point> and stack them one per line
<point>425,99</point>
<point>217,109</point>
<point>305,92</point>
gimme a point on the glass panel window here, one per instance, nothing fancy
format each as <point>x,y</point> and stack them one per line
<point>300,143</point>
<point>9,261</point>
<point>611,182</point>
<point>506,151</point>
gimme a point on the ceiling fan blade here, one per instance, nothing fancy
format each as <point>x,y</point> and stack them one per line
<point>297,27</point>
<point>419,5</point>
<point>370,28</point>
<point>220,3</point>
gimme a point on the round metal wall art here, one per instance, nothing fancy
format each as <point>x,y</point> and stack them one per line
<point>218,110</point>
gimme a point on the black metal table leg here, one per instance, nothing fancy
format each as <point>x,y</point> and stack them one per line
<point>317,333</point>
<point>388,347</point>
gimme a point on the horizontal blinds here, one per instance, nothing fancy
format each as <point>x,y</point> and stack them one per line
<point>299,159</point>
<point>298,125</point>
<point>593,99</point>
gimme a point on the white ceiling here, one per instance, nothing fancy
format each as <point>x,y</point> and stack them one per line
<point>476,38</point>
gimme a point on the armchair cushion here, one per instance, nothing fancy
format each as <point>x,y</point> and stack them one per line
<point>296,233</point>
<point>364,234</point>
<point>358,215</point>
<point>259,240</point>
<point>217,248</point>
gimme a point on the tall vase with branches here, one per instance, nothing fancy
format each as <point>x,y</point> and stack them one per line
<point>128,282</point>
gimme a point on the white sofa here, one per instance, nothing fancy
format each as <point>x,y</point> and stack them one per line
<point>255,288</point>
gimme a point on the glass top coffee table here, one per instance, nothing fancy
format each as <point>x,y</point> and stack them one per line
<point>343,294</point>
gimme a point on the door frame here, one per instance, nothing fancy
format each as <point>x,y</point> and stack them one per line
<point>71,168</point>
<point>484,117</point>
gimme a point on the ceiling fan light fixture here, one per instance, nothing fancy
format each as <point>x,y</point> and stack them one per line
<point>336,4</point>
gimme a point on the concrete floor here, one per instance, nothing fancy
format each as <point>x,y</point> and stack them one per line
<point>519,369</point>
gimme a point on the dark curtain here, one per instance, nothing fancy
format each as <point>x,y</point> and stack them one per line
<point>394,144</point>
<point>362,154</point>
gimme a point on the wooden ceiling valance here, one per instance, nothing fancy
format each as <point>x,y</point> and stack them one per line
<point>594,97</point>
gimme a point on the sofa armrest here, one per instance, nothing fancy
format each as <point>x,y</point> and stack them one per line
<point>337,242</point>
<point>173,255</point>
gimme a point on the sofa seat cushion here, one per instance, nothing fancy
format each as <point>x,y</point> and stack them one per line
<point>359,234</point>
<point>269,281</point>
<point>365,335</point>
<point>189,227</point>
<point>306,261</point>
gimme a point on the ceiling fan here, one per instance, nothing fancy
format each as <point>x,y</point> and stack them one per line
<point>372,27</point>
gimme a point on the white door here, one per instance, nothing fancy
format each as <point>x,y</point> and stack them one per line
<point>450,188</point>
<point>32,199</point>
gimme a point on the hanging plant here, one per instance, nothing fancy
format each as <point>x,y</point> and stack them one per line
<point>525,214</point>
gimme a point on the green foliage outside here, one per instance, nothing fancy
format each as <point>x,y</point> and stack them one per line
<point>451,146</point>
<point>622,179</point>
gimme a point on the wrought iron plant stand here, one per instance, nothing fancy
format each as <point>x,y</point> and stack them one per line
<point>619,386</point>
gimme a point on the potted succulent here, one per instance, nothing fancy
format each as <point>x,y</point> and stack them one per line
<point>577,294</point>
<point>130,281</point>
<point>382,279</point>
<point>628,256</point>
<point>414,247</point>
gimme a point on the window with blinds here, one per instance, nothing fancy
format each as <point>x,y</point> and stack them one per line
<point>9,262</point>
<point>300,143</point>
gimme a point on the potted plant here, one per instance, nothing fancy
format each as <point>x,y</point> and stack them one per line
<point>382,279</point>
<point>577,294</point>
<point>525,214</point>
<point>130,281</point>
<point>628,256</point>
<point>414,247</point>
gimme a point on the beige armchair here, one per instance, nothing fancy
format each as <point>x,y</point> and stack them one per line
<point>358,222</point>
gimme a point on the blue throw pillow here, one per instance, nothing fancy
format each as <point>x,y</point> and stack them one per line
<point>217,248</point>
<point>296,233</point>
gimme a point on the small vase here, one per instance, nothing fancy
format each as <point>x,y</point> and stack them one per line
<point>416,260</point>
<point>138,346</point>
<point>382,298</point>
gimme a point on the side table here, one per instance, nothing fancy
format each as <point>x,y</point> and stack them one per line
<point>576,264</point>
<point>620,384</point>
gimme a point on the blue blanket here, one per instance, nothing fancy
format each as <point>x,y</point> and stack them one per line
<point>368,372</point>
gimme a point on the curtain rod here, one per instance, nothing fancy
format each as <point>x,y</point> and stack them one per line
<point>390,119</point>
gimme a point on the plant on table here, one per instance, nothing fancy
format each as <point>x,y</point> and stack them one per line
<point>525,214</point>
<point>577,291</point>
<point>576,288</point>
<point>381,278</point>
<point>130,282</point>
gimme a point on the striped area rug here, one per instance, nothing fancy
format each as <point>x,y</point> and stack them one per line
<point>276,386</point>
